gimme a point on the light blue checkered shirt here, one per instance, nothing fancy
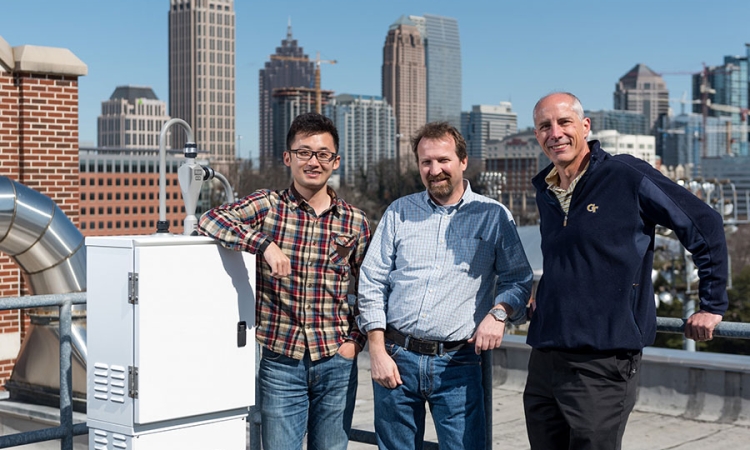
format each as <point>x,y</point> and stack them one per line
<point>432,272</point>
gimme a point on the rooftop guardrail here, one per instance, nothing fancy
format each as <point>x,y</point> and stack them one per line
<point>66,430</point>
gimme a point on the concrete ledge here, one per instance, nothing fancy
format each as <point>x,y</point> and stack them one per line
<point>6,56</point>
<point>49,60</point>
<point>709,387</point>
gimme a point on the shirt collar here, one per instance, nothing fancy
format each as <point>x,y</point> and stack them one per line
<point>466,198</point>
<point>553,179</point>
<point>297,201</point>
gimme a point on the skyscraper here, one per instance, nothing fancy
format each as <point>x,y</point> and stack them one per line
<point>726,95</point>
<point>202,74</point>
<point>132,118</point>
<point>286,104</point>
<point>367,132</point>
<point>405,84</point>
<point>443,61</point>
<point>289,67</point>
<point>644,91</point>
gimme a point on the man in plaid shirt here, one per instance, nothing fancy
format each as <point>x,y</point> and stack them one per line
<point>310,244</point>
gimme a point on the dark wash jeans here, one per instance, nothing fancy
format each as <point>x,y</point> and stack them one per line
<point>299,396</point>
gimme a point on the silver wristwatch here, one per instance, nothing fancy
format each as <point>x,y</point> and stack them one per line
<point>499,314</point>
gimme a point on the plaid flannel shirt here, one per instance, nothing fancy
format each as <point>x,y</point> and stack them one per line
<point>308,310</point>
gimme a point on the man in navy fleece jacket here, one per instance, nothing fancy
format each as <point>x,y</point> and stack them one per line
<point>595,303</point>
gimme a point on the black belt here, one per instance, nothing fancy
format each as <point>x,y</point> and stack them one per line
<point>422,346</point>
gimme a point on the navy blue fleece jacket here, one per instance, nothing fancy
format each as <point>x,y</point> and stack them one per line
<point>596,293</point>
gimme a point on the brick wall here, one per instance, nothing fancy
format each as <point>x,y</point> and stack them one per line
<point>38,148</point>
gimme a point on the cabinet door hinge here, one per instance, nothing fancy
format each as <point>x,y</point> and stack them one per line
<point>132,382</point>
<point>133,288</point>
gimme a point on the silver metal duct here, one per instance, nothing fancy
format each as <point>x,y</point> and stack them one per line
<point>51,252</point>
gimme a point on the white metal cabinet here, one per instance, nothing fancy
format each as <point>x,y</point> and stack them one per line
<point>165,348</point>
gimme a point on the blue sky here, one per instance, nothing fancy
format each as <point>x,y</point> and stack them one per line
<point>511,50</point>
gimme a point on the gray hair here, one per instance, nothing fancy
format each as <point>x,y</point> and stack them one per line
<point>576,106</point>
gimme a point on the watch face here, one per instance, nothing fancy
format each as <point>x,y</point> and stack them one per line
<point>499,314</point>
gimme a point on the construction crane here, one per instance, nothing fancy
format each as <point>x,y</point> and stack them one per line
<point>706,104</point>
<point>318,61</point>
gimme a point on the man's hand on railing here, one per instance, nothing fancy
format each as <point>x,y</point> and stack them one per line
<point>700,326</point>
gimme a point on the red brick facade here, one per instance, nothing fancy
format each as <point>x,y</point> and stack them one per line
<point>38,148</point>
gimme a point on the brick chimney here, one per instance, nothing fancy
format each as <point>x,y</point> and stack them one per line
<point>38,148</point>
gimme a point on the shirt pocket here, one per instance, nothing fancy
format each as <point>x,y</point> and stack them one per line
<point>340,248</point>
<point>473,253</point>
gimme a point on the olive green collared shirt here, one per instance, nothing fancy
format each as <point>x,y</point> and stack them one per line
<point>563,195</point>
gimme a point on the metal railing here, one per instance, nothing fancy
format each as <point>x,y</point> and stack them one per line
<point>67,429</point>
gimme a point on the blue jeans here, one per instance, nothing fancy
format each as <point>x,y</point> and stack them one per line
<point>450,383</point>
<point>305,396</point>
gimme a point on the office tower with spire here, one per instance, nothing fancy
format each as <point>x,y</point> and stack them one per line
<point>442,47</point>
<point>404,84</point>
<point>643,90</point>
<point>289,67</point>
<point>202,75</point>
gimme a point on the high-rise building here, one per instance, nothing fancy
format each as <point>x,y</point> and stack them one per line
<point>367,133</point>
<point>132,118</point>
<point>405,84</point>
<point>624,122</point>
<point>202,75</point>
<point>289,67</point>
<point>484,123</point>
<point>725,92</point>
<point>643,90</point>
<point>442,47</point>
<point>682,144</point>
<point>286,104</point>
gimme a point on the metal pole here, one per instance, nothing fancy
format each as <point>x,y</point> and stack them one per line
<point>66,376</point>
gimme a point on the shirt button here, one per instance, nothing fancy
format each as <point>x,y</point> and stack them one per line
<point>310,285</point>
<point>308,306</point>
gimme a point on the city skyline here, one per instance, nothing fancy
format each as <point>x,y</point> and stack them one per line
<point>510,52</point>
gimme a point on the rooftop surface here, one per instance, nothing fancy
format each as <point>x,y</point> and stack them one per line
<point>645,430</point>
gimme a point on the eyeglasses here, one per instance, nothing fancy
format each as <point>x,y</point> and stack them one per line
<point>322,156</point>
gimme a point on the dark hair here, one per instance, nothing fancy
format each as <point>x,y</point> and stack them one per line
<point>437,130</point>
<point>311,123</point>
